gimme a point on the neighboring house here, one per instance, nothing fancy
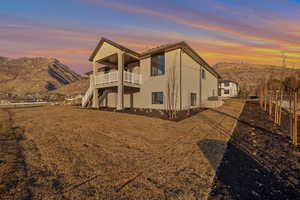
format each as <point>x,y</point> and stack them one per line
<point>228,88</point>
<point>172,74</point>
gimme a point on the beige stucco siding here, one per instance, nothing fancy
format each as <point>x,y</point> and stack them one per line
<point>191,75</point>
<point>190,80</point>
<point>150,84</point>
<point>128,100</point>
<point>209,86</point>
<point>112,99</point>
<point>106,50</point>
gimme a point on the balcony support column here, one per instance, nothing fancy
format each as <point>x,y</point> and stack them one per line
<point>95,103</point>
<point>120,101</point>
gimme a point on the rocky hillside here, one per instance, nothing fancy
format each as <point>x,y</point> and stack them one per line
<point>24,77</point>
<point>249,76</point>
<point>73,89</point>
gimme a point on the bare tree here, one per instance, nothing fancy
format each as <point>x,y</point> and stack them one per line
<point>261,94</point>
<point>292,86</point>
<point>281,93</point>
<point>172,90</point>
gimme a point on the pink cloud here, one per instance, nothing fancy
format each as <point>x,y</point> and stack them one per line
<point>189,17</point>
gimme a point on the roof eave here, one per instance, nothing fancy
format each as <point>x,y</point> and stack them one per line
<point>202,60</point>
<point>102,40</point>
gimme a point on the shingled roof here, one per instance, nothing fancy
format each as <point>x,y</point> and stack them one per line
<point>163,48</point>
<point>224,81</point>
<point>160,48</point>
<point>121,47</point>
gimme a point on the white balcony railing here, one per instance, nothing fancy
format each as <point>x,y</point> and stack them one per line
<point>132,78</point>
<point>113,77</point>
<point>107,78</point>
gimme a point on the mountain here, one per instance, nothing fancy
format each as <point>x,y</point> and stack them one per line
<point>23,77</point>
<point>249,76</point>
<point>73,89</point>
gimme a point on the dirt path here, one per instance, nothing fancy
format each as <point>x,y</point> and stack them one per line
<point>259,162</point>
<point>13,168</point>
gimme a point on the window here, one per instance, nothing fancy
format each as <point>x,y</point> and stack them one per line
<point>226,91</point>
<point>226,84</point>
<point>157,98</point>
<point>193,99</point>
<point>158,65</point>
<point>203,74</point>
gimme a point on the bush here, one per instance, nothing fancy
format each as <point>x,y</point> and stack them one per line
<point>244,94</point>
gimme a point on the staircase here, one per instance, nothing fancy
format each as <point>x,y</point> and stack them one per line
<point>87,97</point>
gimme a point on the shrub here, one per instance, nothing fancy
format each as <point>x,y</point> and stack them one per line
<point>244,94</point>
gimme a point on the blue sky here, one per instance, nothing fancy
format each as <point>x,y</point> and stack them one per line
<point>256,31</point>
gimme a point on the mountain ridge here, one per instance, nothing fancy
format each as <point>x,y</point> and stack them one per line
<point>21,77</point>
<point>249,76</point>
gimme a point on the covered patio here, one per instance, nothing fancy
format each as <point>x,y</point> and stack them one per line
<point>114,66</point>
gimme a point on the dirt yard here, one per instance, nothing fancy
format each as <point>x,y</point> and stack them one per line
<point>260,162</point>
<point>64,152</point>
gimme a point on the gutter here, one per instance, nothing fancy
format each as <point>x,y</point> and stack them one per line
<point>180,79</point>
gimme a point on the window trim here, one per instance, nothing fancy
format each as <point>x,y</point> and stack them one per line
<point>227,90</point>
<point>153,98</point>
<point>164,65</point>
<point>193,103</point>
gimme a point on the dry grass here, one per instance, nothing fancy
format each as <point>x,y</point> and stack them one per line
<point>87,154</point>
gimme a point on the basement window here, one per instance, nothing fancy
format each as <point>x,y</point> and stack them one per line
<point>158,65</point>
<point>193,99</point>
<point>157,98</point>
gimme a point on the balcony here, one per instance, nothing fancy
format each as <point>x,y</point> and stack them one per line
<point>111,79</point>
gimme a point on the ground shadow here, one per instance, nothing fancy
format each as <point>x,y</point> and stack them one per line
<point>239,176</point>
<point>258,163</point>
<point>213,150</point>
<point>50,86</point>
<point>245,122</point>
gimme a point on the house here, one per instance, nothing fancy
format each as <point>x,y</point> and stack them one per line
<point>169,76</point>
<point>228,88</point>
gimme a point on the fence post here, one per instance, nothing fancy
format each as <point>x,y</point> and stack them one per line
<point>276,107</point>
<point>295,138</point>
<point>291,115</point>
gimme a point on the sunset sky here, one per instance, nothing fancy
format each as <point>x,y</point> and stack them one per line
<point>255,31</point>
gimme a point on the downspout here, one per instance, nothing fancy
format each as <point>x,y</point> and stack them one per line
<point>95,94</point>
<point>200,87</point>
<point>180,79</point>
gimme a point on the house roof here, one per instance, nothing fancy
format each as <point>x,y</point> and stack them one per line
<point>224,81</point>
<point>163,48</point>
<point>183,45</point>
<point>121,47</point>
<point>160,48</point>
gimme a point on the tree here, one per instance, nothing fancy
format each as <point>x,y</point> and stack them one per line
<point>292,85</point>
<point>172,91</point>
